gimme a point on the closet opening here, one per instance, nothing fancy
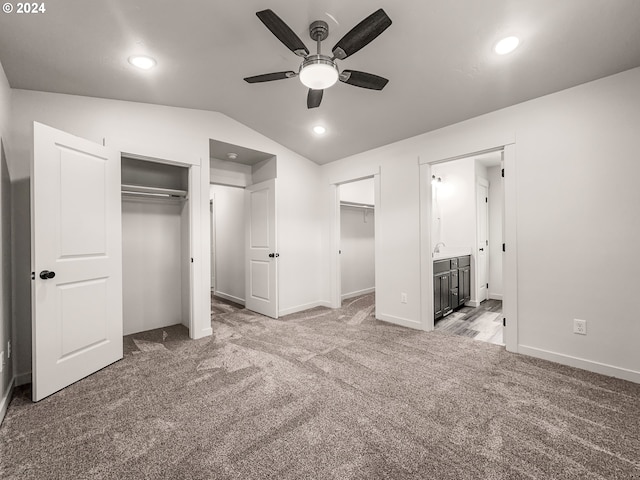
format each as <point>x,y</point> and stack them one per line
<point>357,242</point>
<point>156,259</point>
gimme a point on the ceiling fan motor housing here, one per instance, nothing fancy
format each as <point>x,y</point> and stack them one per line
<point>319,30</point>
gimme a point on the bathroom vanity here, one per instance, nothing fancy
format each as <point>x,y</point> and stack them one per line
<point>451,284</point>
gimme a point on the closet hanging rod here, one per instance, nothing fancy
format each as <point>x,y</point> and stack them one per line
<point>139,190</point>
<point>357,205</point>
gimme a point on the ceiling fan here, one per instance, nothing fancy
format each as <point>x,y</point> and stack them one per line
<point>319,71</point>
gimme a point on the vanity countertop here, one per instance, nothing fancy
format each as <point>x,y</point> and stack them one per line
<point>451,253</point>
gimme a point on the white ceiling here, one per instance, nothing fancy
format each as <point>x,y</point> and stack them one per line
<point>436,54</point>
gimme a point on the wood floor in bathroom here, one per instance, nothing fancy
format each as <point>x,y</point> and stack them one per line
<point>482,323</point>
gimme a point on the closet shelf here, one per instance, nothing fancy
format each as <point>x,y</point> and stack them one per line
<point>143,191</point>
<point>357,205</point>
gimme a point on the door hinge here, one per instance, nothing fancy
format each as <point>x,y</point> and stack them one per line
<point>504,322</point>
<point>33,275</point>
<point>191,259</point>
<point>504,247</point>
<point>486,200</point>
<point>487,285</point>
<point>503,173</point>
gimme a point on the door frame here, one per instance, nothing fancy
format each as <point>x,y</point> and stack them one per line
<point>336,271</point>
<point>484,183</point>
<point>509,264</point>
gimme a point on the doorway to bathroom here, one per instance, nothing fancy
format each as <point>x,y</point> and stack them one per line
<point>465,267</point>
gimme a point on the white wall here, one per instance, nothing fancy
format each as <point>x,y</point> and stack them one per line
<point>456,198</point>
<point>177,134</point>
<point>577,208</point>
<point>151,264</point>
<point>361,191</point>
<point>357,258</point>
<point>225,172</point>
<point>229,228</point>
<point>495,232</point>
<point>6,323</point>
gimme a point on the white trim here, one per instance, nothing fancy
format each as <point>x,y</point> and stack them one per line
<point>472,303</point>
<point>302,308</point>
<point>403,322</point>
<point>481,182</point>
<point>336,281</point>
<point>495,296</point>
<point>588,365</point>
<point>426,256</point>
<point>4,403</point>
<point>510,256</point>
<point>231,298</point>
<point>364,291</point>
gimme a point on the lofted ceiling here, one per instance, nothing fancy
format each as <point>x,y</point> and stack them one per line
<point>437,55</point>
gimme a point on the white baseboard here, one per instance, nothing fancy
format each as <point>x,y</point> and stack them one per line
<point>589,365</point>
<point>404,322</point>
<point>205,332</point>
<point>495,296</point>
<point>6,399</point>
<point>302,308</point>
<point>231,298</point>
<point>472,303</point>
<point>364,291</point>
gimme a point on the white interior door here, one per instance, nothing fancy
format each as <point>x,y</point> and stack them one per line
<point>76,242</point>
<point>483,239</point>
<point>261,256</point>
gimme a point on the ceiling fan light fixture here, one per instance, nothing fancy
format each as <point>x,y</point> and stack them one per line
<point>318,72</point>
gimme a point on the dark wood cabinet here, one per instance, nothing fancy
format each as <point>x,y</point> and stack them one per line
<point>451,284</point>
<point>442,288</point>
<point>464,275</point>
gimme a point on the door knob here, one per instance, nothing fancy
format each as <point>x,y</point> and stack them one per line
<point>482,249</point>
<point>46,274</point>
<point>274,255</point>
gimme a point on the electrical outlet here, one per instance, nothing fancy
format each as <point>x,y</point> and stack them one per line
<point>403,298</point>
<point>579,326</point>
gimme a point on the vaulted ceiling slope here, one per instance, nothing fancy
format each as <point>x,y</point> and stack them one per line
<point>437,56</point>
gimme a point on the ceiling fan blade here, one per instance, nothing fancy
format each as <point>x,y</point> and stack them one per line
<point>363,79</point>
<point>314,97</point>
<point>283,33</point>
<point>269,77</point>
<point>362,34</point>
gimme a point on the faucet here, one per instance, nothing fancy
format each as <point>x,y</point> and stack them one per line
<point>437,247</point>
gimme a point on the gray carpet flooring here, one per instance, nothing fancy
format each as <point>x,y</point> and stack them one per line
<point>324,394</point>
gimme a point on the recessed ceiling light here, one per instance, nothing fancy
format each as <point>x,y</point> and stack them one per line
<point>506,45</point>
<point>142,61</point>
<point>232,155</point>
<point>319,129</point>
